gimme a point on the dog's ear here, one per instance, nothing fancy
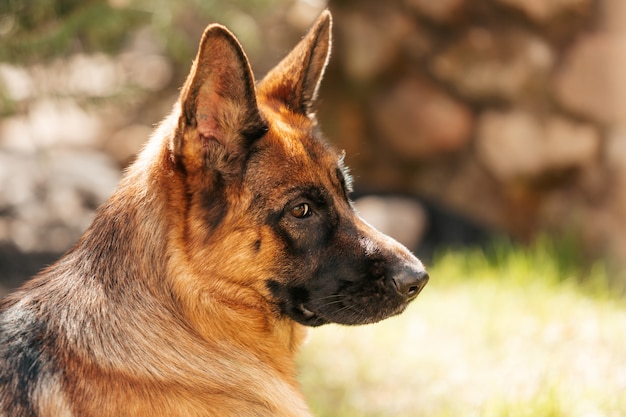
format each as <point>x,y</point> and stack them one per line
<point>296,79</point>
<point>219,115</point>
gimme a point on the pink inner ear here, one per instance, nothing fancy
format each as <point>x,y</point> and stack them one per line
<point>206,105</point>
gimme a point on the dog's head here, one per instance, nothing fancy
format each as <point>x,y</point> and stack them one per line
<point>268,214</point>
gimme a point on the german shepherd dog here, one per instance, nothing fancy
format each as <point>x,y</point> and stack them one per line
<point>190,292</point>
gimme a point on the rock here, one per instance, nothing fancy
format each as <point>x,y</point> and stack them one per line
<point>50,123</point>
<point>16,82</point>
<point>465,186</point>
<point>439,11</point>
<point>485,64</point>
<point>591,81</point>
<point>96,75</point>
<point>418,45</point>
<point>615,151</point>
<point>151,72</point>
<point>401,218</point>
<point>371,40</point>
<point>418,120</point>
<point>124,144</point>
<point>615,157</point>
<point>517,144</point>
<point>48,199</point>
<point>302,14</point>
<point>544,10</point>
<point>613,16</point>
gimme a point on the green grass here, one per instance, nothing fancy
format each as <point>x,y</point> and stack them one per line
<point>507,332</point>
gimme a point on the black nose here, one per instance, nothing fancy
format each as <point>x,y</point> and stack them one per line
<point>409,282</point>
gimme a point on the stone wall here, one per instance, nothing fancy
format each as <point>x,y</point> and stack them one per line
<point>512,112</point>
<point>509,112</point>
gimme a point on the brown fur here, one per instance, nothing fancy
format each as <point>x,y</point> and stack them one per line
<point>188,294</point>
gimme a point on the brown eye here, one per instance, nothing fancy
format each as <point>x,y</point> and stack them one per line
<point>300,211</point>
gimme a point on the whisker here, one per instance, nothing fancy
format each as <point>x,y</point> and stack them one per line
<point>327,297</point>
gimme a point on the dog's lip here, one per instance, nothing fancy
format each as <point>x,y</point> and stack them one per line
<point>308,317</point>
<point>313,318</point>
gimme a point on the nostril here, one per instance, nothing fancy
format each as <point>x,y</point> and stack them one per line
<point>413,291</point>
<point>409,283</point>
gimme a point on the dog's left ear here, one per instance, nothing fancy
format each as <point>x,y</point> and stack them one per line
<point>219,113</point>
<point>296,79</point>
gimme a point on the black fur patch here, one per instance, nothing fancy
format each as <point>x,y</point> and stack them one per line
<point>23,359</point>
<point>214,202</point>
<point>291,299</point>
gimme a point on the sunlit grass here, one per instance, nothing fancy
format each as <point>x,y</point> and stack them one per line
<point>510,332</point>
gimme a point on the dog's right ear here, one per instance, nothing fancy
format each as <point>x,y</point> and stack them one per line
<point>296,79</point>
<point>219,115</point>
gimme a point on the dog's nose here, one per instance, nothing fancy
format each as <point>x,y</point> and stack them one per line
<point>409,282</point>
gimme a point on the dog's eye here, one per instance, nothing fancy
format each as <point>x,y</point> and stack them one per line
<point>300,211</point>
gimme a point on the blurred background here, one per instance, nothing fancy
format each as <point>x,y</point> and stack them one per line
<point>490,117</point>
<point>464,122</point>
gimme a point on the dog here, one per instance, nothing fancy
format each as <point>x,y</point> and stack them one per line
<point>190,293</point>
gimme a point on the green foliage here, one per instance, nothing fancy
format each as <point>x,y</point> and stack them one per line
<point>45,29</point>
<point>547,261</point>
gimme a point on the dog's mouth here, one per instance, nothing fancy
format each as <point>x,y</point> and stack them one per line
<point>306,316</point>
<point>342,308</point>
<point>306,313</point>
